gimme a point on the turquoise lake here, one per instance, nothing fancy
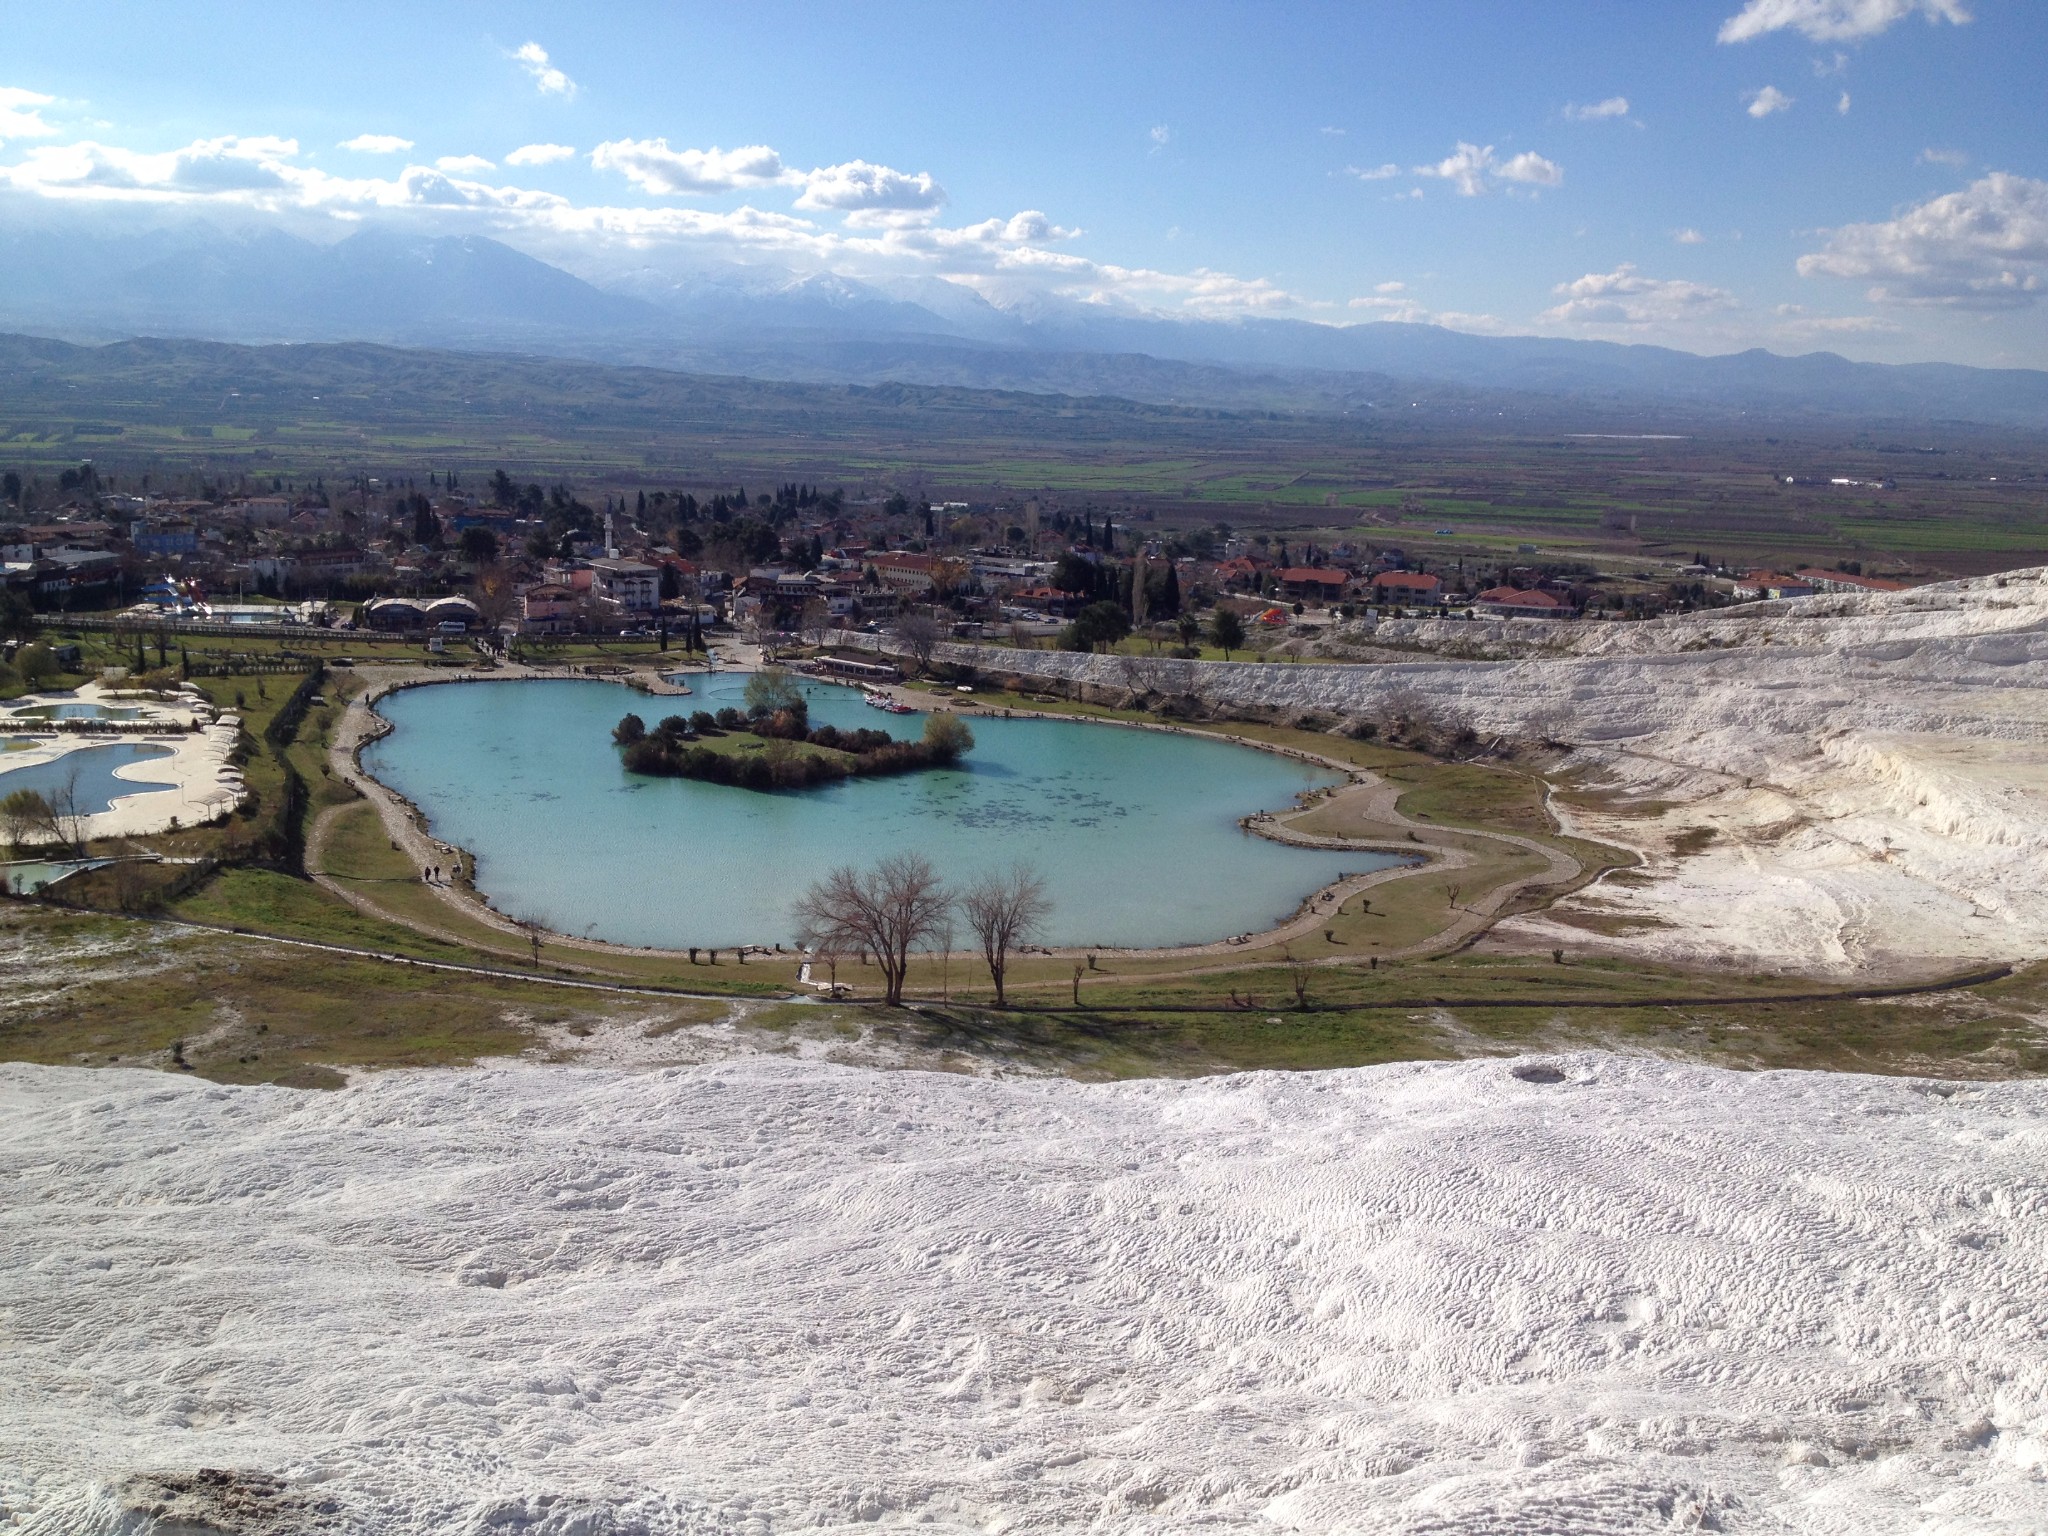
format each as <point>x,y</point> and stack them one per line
<point>1134,831</point>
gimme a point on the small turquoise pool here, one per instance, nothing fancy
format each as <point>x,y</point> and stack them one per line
<point>90,771</point>
<point>29,876</point>
<point>77,711</point>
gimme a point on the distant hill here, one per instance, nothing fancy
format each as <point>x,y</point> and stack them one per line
<point>84,282</point>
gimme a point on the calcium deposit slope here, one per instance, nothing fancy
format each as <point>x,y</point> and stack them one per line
<point>1586,1295</point>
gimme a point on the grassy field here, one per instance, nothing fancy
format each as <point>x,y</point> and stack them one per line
<point>93,990</point>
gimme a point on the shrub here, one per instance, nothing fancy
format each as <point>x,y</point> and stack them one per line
<point>629,730</point>
<point>946,737</point>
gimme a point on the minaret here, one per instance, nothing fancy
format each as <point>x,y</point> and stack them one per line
<point>611,545</point>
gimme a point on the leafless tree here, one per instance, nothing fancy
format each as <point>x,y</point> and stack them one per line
<point>534,929</point>
<point>1004,909</point>
<point>815,624</point>
<point>27,820</point>
<point>887,911</point>
<point>919,634</point>
<point>68,818</point>
<point>1144,676</point>
<point>1298,973</point>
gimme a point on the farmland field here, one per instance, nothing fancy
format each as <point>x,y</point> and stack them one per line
<point>1954,500</point>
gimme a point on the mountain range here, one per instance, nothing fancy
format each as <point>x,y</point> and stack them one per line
<point>86,283</point>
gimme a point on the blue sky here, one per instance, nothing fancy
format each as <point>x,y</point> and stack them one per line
<point>1864,176</point>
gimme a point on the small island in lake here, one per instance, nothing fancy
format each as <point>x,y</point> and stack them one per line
<point>771,745</point>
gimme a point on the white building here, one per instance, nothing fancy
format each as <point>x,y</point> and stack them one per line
<point>630,585</point>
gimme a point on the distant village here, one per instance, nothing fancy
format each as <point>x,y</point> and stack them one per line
<point>508,559</point>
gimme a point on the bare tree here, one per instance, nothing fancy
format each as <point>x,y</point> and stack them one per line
<point>68,817</point>
<point>919,634</point>
<point>887,911</point>
<point>1298,973</point>
<point>1003,909</point>
<point>815,623</point>
<point>535,929</point>
<point>26,820</point>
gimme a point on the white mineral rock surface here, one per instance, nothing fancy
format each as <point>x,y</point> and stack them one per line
<point>1581,1295</point>
<point>1874,769</point>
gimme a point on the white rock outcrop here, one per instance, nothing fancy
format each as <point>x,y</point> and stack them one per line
<point>1577,1294</point>
<point>1874,769</point>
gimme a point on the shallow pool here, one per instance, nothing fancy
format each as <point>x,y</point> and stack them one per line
<point>25,877</point>
<point>1135,831</point>
<point>77,711</point>
<point>87,773</point>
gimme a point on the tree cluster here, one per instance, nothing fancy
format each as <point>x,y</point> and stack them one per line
<point>674,748</point>
<point>889,911</point>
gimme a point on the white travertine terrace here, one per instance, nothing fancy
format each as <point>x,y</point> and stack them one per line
<point>1573,1294</point>
<point>1874,769</point>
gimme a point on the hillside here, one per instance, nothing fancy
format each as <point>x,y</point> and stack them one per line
<point>94,282</point>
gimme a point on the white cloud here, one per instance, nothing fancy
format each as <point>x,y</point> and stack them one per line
<point>464,165</point>
<point>1471,168</point>
<point>653,167</point>
<point>539,154</point>
<point>1161,135</point>
<point>1390,288</point>
<point>1985,247</point>
<point>19,118</point>
<point>1624,297</point>
<point>549,80</point>
<point>1689,236</point>
<point>1954,157</point>
<point>376,144</point>
<point>1835,21</point>
<point>860,186</point>
<point>1408,312</point>
<point>1800,325</point>
<point>1842,106</point>
<point>204,168</point>
<point>1385,172</point>
<point>1465,168</point>
<point>1613,106</point>
<point>1532,169</point>
<point>1027,250</point>
<point>261,173</point>
<point>1334,133</point>
<point>1768,100</point>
